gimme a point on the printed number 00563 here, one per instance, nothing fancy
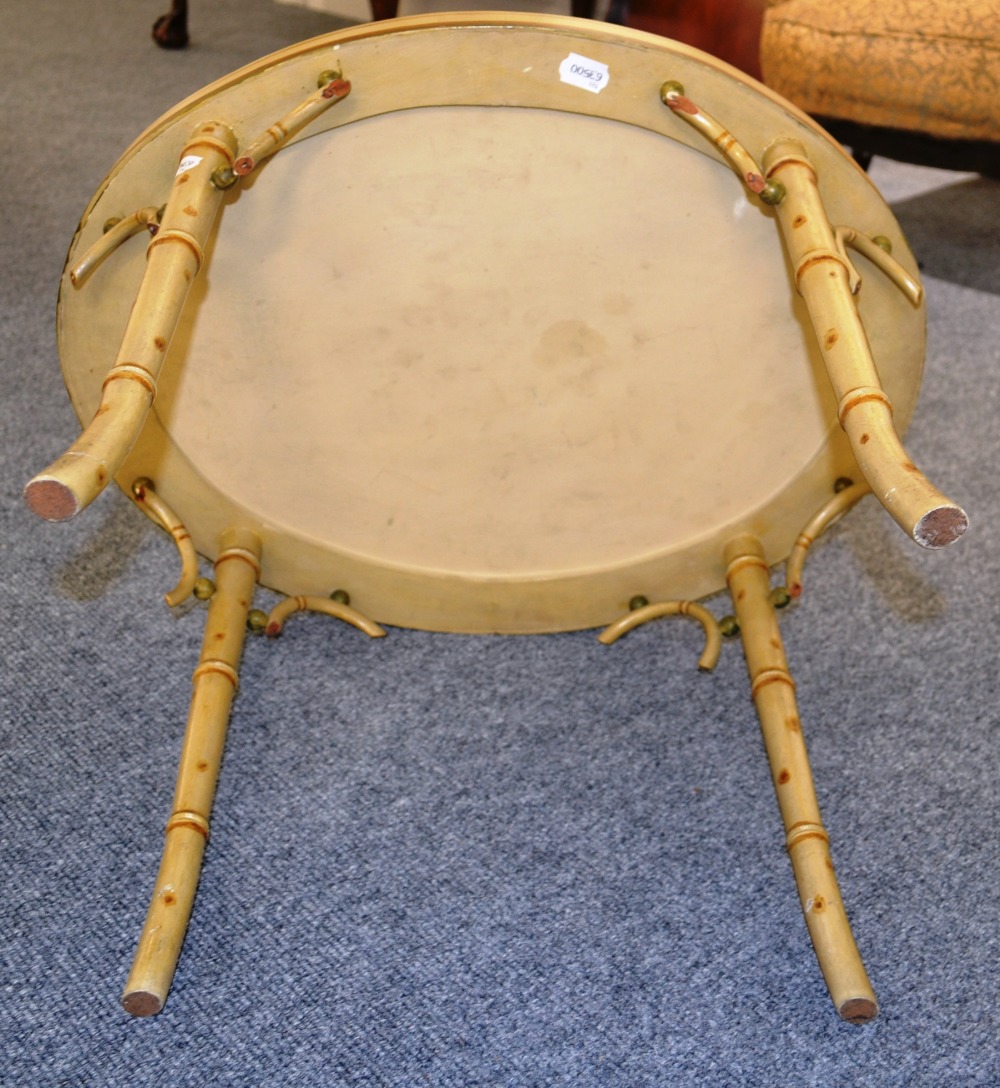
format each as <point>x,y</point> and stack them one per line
<point>587,73</point>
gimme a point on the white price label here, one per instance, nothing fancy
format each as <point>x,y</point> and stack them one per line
<point>583,72</point>
<point>189,162</point>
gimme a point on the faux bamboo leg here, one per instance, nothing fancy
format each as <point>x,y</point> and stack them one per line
<point>826,280</point>
<point>215,683</point>
<point>808,845</point>
<point>823,277</point>
<point>174,258</point>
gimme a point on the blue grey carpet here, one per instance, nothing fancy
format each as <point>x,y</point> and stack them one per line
<point>457,861</point>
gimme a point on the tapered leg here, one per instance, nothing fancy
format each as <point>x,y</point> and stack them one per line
<point>170,31</point>
<point>215,683</point>
<point>808,845</point>
<point>384,9</point>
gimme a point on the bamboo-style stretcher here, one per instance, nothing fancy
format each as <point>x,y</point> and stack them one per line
<point>492,323</point>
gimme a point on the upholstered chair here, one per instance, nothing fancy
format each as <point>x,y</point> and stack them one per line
<point>914,79</point>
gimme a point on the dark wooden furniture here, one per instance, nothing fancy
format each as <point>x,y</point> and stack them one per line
<point>728,29</point>
<point>170,31</point>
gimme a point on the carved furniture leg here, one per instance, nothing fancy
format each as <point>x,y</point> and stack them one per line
<point>215,683</point>
<point>384,9</point>
<point>170,31</point>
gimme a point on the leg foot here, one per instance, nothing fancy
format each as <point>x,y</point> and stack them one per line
<point>170,31</point>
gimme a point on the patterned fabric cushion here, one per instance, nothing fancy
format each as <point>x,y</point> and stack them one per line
<point>919,65</point>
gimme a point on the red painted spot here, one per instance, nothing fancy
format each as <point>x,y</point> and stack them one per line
<point>339,88</point>
<point>679,102</point>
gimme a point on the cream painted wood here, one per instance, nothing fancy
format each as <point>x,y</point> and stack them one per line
<point>290,605</point>
<point>160,514</point>
<point>806,839</point>
<point>828,515</point>
<point>647,613</point>
<point>491,351</point>
<point>174,257</point>
<point>215,684</point>
<point>823,277</point>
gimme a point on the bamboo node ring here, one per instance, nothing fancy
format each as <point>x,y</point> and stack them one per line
<point>174,234</point>
<point>741,561</point>
<point>214,665</point>
<point>245,554</point>
<point>188,818</point>
<point>131,372</point>
<point>861,395</point>
<point>770,676</point>
<point>820,254</point>
<point>805,830</point>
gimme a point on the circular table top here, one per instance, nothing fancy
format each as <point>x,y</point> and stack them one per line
<point>490,349</point>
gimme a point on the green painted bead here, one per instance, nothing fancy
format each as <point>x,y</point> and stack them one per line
<point>774,192</point>
<point>204,588</point>
<point>780,597</point>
